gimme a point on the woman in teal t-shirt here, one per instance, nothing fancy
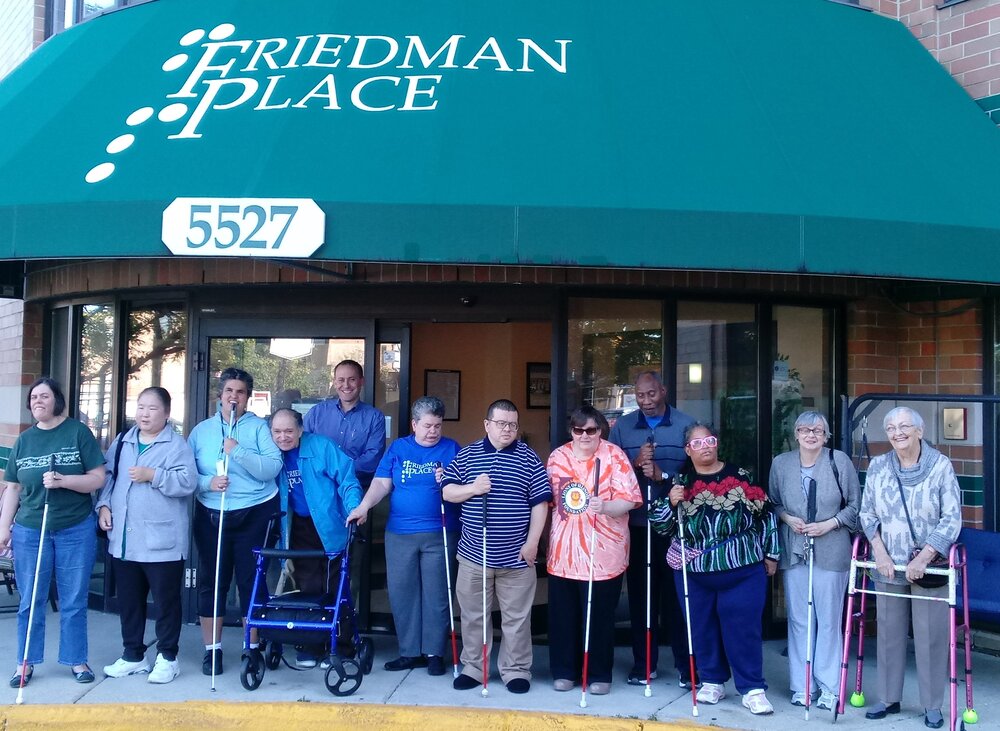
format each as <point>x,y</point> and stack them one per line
<point>70,536</point>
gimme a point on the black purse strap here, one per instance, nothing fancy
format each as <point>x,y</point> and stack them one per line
<point>906,510</point>
<point>836,476</point>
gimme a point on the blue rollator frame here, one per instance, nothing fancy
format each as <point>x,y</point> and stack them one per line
<point>307,619</point>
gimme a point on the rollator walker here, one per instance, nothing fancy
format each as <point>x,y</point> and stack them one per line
<point>956,572</point>
<point>302,619</point>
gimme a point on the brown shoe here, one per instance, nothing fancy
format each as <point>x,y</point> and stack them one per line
<point>562,685</point>
<point>600,688</point>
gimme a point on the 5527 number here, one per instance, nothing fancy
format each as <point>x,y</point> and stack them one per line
<point>245,227</point>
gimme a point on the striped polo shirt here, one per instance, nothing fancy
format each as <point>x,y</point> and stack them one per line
<point>518,483</point>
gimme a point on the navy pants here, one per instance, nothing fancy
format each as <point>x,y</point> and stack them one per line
<point>727,609</point>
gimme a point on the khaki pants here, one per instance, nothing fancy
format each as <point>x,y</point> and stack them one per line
<point>514,592</point>
<point>930,642</point>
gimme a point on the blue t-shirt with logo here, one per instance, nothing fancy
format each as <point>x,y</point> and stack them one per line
<point>415,503</point>
<point>296,494</point>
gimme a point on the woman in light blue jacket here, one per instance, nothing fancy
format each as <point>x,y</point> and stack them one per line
<point>242,464</point>
<point>145,507</point>
<point>318,490</point>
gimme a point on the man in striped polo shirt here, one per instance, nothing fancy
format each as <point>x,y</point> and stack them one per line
<point>506,475</point>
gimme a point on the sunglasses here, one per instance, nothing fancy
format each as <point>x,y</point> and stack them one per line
<point>589,431</point>
<point>703,442</point>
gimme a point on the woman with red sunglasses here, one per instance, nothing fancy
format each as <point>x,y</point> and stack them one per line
<point>731,547</point>
<point>593,489</point>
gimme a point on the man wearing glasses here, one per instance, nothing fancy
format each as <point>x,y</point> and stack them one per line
<point>653,438</point>
<point>501,478</point>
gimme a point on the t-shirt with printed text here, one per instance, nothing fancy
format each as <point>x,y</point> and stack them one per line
<point>76,452</point>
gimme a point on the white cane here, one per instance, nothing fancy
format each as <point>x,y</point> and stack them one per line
<point>649,578</point>
<point>687,610</point>
<point>486,654</point>
<point>34,587</point>
<point>447,576</point>
<point>590,589</point>
<point>222,468</point>
<point>810,518</point>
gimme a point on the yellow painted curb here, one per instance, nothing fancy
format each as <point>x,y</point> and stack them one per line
<point>307,716</point>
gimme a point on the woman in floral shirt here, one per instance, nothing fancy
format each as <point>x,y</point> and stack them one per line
<point>731,545</point>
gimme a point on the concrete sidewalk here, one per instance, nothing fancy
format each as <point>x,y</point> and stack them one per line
<point>398,694</point>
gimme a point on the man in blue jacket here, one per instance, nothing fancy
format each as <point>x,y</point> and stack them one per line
<point>318,490</point>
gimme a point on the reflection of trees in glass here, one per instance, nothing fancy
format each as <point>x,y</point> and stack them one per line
<point>787,398</point>
<point>96,361</point>
<point>611,358</point>
<point>155,336</point>
<point>310,375</point>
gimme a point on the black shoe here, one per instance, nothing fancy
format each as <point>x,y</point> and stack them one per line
<point>464,682</point>
<point>206,663</point>
<point>84,676</point>
<point>881,711</point>
<point>406,663</point>
<point>637,675</point>
<point>15,679</point>
<point>435,665</point>
<point>519,685</point>
<point>933,718</point>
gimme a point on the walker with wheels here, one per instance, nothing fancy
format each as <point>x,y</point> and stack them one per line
<point>308,619</point>
<point>855,621</point>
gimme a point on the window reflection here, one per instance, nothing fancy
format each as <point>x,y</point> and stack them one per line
<point>96,370</point>
<point>802,373</point>
<point>610,342</point>
<point>295,373</point>
<point>717,374</point>
<point>157,348</point>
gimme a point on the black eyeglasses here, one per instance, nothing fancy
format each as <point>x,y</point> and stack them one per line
<point>589,431</point>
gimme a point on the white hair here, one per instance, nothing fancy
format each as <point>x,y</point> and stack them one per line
<point>897,413</point>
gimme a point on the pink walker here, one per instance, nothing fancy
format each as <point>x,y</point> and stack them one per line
<point>956,573</point>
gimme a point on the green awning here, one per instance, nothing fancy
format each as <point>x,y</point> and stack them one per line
<point>784,136</point>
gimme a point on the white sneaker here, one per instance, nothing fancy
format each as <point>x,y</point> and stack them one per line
<point>757,702</point>
<point>827,700</point>
<point>711,693</point>
<point>122,667</point>
<point>164,670</point>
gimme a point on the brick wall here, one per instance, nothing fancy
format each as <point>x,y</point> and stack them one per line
<point>964,38</point>
<point>892,350</point>
<point>20,363</point>
<point>80,277</point>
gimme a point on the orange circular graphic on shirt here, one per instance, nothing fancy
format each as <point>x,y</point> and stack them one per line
<point>575,498</point>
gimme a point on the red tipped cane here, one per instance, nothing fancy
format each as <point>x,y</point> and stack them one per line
<point>590,588</point>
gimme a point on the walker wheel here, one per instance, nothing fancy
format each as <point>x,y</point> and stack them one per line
<point>252,670</point>
<point>272,658</point>
<point>366,654</point>
<point>343,677</point>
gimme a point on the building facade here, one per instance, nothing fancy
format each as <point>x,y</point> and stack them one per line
<point>747,350</point>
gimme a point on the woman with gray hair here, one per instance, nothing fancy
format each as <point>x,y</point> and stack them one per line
<point>911,513</point>
<point>831,474</point>
<point>411,471</point>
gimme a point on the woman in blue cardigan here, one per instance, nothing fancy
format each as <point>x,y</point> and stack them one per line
<point>318,490</point>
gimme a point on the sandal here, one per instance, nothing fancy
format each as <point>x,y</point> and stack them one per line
<point>758,703</point>
<point>15,679</point>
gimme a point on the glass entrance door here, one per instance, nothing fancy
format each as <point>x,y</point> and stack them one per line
<point>292,363</point>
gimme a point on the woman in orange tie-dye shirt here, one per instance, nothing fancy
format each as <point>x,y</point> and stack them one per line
<point>578,509</point>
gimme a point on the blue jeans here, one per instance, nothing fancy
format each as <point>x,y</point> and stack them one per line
<point>71,553</point>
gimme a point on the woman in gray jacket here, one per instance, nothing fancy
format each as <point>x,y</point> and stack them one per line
<point>838,498</point>
<point>911,514</point>
<point>145,506</point>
